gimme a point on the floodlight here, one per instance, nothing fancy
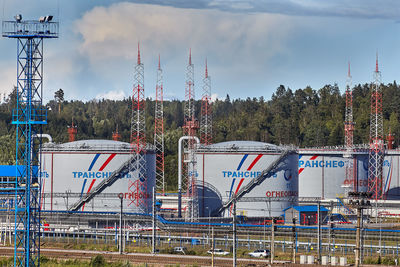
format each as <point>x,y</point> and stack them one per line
<point>49,18</point>
<point>18,17</point>
<point>42,19</point>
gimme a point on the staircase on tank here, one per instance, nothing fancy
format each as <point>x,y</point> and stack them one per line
<point>256,181</point>
<point>127,166</point>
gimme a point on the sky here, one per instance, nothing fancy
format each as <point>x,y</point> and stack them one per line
<point>251,46</point>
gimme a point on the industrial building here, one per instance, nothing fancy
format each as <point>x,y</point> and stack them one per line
<point>305,215</point>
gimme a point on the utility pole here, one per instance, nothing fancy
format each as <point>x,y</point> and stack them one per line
<point>153,250</point>
<point>358,236</point>
<point>319,232</point>
<point>294,241</point>
<point>359,200</point>
<point>234,231</point>
<point>329,230</point>
<point>121,197</point>
<point>272,246</point>
<point>212,247</point>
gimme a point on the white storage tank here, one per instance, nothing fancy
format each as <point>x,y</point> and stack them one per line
<point>391,175</point>
<point>224,168</point>
<point>322,173</point>
<point>74,169</point>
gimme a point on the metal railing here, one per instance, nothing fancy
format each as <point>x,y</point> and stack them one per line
<point>30,28</point>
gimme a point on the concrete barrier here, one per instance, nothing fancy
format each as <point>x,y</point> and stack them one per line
<point>324,260</point>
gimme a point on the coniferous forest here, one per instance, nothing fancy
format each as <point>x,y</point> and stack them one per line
<point>304,117</point>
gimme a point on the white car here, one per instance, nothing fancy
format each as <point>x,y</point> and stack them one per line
<point>182,250</point>
<point>260,253</point>
<point>218,251</point>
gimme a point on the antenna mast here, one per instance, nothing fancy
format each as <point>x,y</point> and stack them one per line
<point>348,133</point>
<point>159,131</point>
<point>376,143</point>
<point>206,112</point>
<point>138,138</point>
<point>189,129</point>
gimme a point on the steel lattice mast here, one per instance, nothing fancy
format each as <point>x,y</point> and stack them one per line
<point>159,131</point>
<point>189,129</point>
<point>138,137</point>
<point>206,111</point>
<point>376,143</point>
<point>29,116</point>
<point>348,133</point>
<point>116,136</point>
<point>72,131</point>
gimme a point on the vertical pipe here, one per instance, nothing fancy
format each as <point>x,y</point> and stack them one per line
<point>180,171</point>
<point>120,226</point>
<point>180,176</point>
<point>212,247</point>
<point>234,231</point>
<point>357,249</point>
<point>319,232</point>
<point>294,242</point>
<point>323,179</point>
<point>272,246</point>
<point>153,250</point>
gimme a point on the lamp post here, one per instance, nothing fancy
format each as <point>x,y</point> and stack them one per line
<point>234,231</point>
<point>153,250</point>
<point>121,197</point>
<point>359,200</point>
<point>294,240</point>
<point>319,232</point>
<point>265,218</point>
<point>209,220</point>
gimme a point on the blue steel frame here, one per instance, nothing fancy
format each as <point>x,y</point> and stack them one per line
<point>29,116</point>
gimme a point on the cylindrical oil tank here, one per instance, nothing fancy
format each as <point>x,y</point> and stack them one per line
<point>391,175</point>
<point>224,168</point>
<point>322,173</point>
<point>74,169</point>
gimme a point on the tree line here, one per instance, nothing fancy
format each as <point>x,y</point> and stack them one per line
<point>304,117</point>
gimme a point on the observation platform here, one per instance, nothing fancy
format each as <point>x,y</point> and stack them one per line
<point>30,29</point>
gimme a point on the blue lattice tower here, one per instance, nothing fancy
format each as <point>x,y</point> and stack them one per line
<point>28,116</point>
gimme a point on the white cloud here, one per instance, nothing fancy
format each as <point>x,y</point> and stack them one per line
<point>112,95</point>
<point>8,77</point>
<point>239,46</point>
<point>113,32</point>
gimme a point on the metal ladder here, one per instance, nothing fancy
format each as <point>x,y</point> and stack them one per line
<point>256,181</point>
<point>126,167</point>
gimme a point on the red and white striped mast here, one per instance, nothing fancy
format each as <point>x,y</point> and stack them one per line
<point>159,131</point>
<point>376,142</point>
<point>348,133</point>
<point>206,111</point>
<point>138,137</point>
<point>189,129</point>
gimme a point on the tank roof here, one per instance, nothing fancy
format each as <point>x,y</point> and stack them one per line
<point>91,145</point>
<point>241,146</point>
